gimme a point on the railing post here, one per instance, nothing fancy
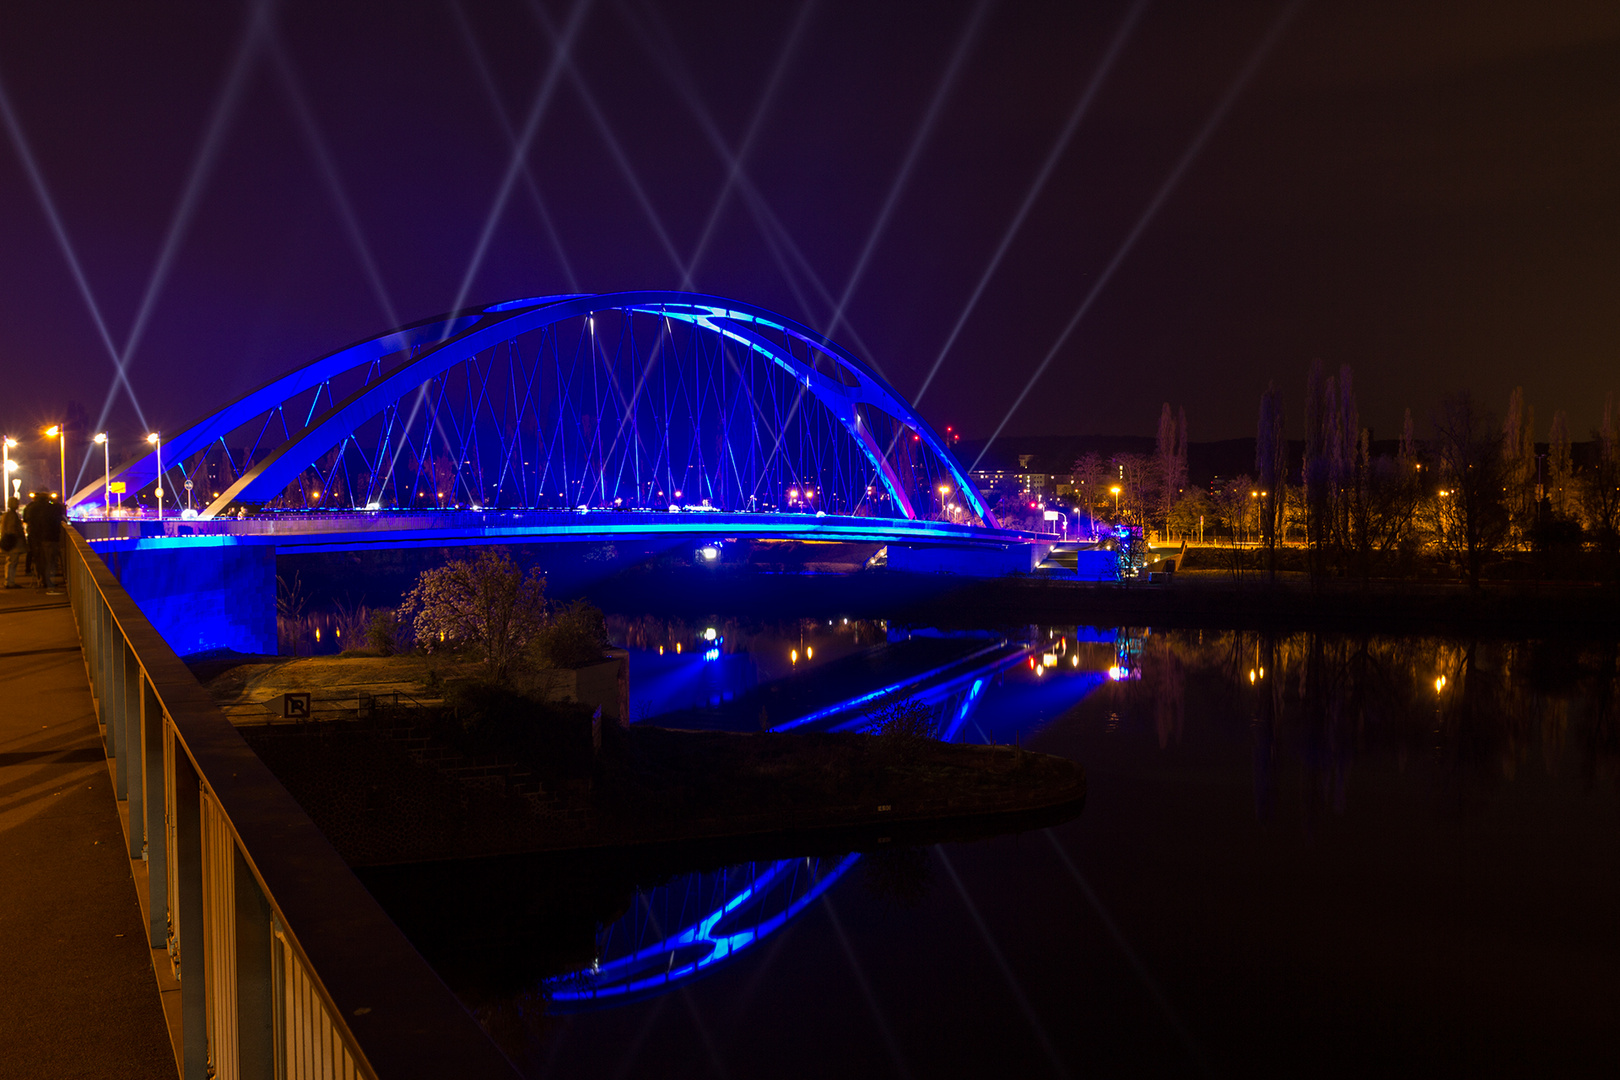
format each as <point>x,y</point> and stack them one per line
<point>255,978</point>
<point>115,711</point>
<point>157,837</point>
<point>189,914</point>
<point>90,645</point>
<point>133,747</point>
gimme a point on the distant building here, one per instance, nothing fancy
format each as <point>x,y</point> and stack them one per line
<point>1000,482</point>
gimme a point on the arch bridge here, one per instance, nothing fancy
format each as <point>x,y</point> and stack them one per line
<point>631,400</point>
<point>659,416</point>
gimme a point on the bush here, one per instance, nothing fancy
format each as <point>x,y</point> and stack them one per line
<point>384,634</point>
<point>907,720</point>
<point>575,636</point>
<point>487,603</point>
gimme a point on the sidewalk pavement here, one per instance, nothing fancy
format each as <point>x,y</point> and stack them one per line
<point>78,996</point>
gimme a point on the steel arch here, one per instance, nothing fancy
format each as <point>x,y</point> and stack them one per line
<point>439,344</point>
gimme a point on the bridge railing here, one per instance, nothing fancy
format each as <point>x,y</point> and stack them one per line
<point>288,968</point>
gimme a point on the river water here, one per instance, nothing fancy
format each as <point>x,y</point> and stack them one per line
<point>1301,854</point>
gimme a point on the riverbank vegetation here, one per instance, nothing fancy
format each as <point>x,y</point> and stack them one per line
<point>1480,494</point>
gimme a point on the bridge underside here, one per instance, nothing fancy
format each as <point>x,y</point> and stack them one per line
<point>212,585</point>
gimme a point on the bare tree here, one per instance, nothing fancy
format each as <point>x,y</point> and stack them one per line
<point>1600,487</point>
<point>1472,516</point>
<point>1171,460</point>
<point>1138,481</point>
<point>1271,466</point>
<point>1090,472</point>
<point>1559,464</point>
<point>1519,465</point>
<point>1317,468</point>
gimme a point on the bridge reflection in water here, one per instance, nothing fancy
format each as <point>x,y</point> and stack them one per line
<point>716,915</point>
<point>981,688</point>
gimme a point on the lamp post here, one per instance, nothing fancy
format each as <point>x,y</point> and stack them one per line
<point>59,433</point>
<point>1115,490</point>
<point>157,442</point>
<point>106,483</point>
<point>8,467</point>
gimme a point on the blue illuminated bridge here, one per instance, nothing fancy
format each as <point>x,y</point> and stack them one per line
<point>578,417</point>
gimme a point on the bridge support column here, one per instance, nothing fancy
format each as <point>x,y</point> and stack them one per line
<point>984,561</point>
<point>204,596</point>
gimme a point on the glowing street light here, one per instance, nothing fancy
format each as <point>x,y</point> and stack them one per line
<point>1115,491</point>
<point>157,442</point>
<point>106,483</point>
<point>7,466</point>
<point>59,433</point>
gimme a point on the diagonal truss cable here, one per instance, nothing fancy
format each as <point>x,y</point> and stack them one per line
<point>37,180</point>
<point>1193,148</point>
<point>925,128</point>
<point>1081,107</point>
<point>761,107</point>
<point>487,81</point>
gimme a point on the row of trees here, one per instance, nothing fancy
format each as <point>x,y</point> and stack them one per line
<point>1151,486</point>
<point>1479,487</point>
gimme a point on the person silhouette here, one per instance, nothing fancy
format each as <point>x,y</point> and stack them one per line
<point>43,516</point>
<point>13,540</point>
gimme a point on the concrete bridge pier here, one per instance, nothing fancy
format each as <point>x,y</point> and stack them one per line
<point>980,560</point>
<point>204,594</point>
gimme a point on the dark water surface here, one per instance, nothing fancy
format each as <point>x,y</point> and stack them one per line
<point>1300,854</point>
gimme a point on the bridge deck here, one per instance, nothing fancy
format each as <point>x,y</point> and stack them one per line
<point>319,531</point>
<point>77,997</point>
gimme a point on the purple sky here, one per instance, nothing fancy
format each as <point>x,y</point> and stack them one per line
<point>1428,192</point>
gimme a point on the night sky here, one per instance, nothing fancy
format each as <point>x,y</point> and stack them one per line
<point>1428,192</point>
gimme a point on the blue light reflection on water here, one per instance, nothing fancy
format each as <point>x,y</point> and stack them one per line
<point>776,892</point>
<point>692,678</point>
<point>1001,699</point>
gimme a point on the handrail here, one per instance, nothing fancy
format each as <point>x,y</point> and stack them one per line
<point>288,967</point>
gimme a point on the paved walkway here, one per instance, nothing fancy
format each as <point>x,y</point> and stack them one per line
<point>77,991</point>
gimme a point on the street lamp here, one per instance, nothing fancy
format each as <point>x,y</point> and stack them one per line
<point>59,433</point>
<point>1115,490</point>
<point>106,484</point>
<point>8,467</point>
<point>157,442</point>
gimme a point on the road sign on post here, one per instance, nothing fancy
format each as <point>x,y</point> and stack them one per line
<point>295,706</point>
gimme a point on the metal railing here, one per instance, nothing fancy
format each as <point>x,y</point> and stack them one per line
<point>288,968</point>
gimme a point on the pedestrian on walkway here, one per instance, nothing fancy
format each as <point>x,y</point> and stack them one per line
<point>13,541</point>
<point>43,516</point>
